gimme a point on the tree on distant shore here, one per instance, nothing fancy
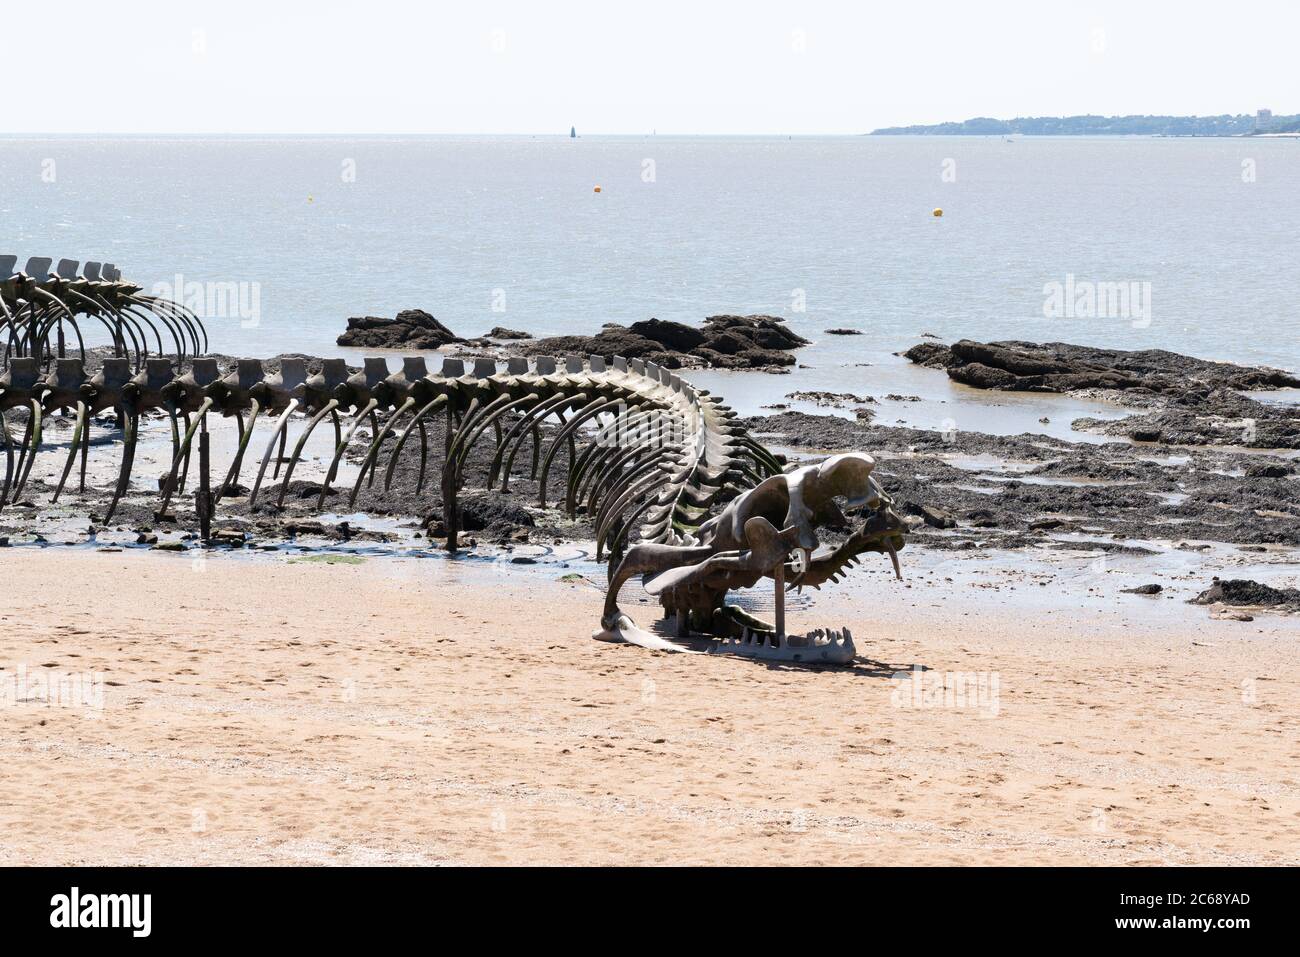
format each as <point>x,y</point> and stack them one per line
<point>1242,124</point>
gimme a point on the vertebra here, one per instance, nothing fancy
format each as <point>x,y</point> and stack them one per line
<point>674,487</point>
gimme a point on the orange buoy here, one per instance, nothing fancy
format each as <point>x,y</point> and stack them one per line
<point>596,190</point>
<point>937,212</point>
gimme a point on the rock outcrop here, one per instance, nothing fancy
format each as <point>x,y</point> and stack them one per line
<point>410,329</point>
<point>723,342</point>
<point>1184,400</point>
<point>1243,591</point>
<point>1013,366</point>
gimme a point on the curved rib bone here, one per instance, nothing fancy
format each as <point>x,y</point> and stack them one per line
<point>673,485</point>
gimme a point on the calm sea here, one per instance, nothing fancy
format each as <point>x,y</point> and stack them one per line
<point>1203,236</point>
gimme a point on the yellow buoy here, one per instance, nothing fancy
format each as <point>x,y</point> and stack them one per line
<point>596,190</point>
<point>310,200</point>
<point>938,212</point>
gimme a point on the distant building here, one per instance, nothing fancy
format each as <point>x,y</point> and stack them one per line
<point>1263,120</point>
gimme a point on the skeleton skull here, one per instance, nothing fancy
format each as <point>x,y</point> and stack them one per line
<point>741,545</point>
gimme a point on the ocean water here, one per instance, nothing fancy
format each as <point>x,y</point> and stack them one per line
<point>826,232</point>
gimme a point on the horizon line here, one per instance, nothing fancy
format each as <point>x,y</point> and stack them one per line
<point>37,134</point>
<point>11,134</point>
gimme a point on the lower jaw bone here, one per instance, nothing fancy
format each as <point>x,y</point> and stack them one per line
<point>820,646</point>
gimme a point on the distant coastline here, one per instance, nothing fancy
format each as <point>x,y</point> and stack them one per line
<point>1263,123</point>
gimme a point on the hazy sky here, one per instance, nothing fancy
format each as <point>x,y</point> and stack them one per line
<point>612,67</point>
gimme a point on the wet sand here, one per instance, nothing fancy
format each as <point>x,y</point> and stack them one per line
<point>414,711</point>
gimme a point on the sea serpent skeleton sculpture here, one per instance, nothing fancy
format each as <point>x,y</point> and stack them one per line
<point>677,492</point>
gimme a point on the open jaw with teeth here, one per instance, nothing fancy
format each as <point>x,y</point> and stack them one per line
<point>676,491</point>
<point>768,531</point>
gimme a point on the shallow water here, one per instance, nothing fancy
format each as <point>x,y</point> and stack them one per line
<point>940,404</point>
<point>826,231</point>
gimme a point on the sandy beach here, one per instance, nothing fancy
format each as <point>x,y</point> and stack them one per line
<point>264,710</point>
